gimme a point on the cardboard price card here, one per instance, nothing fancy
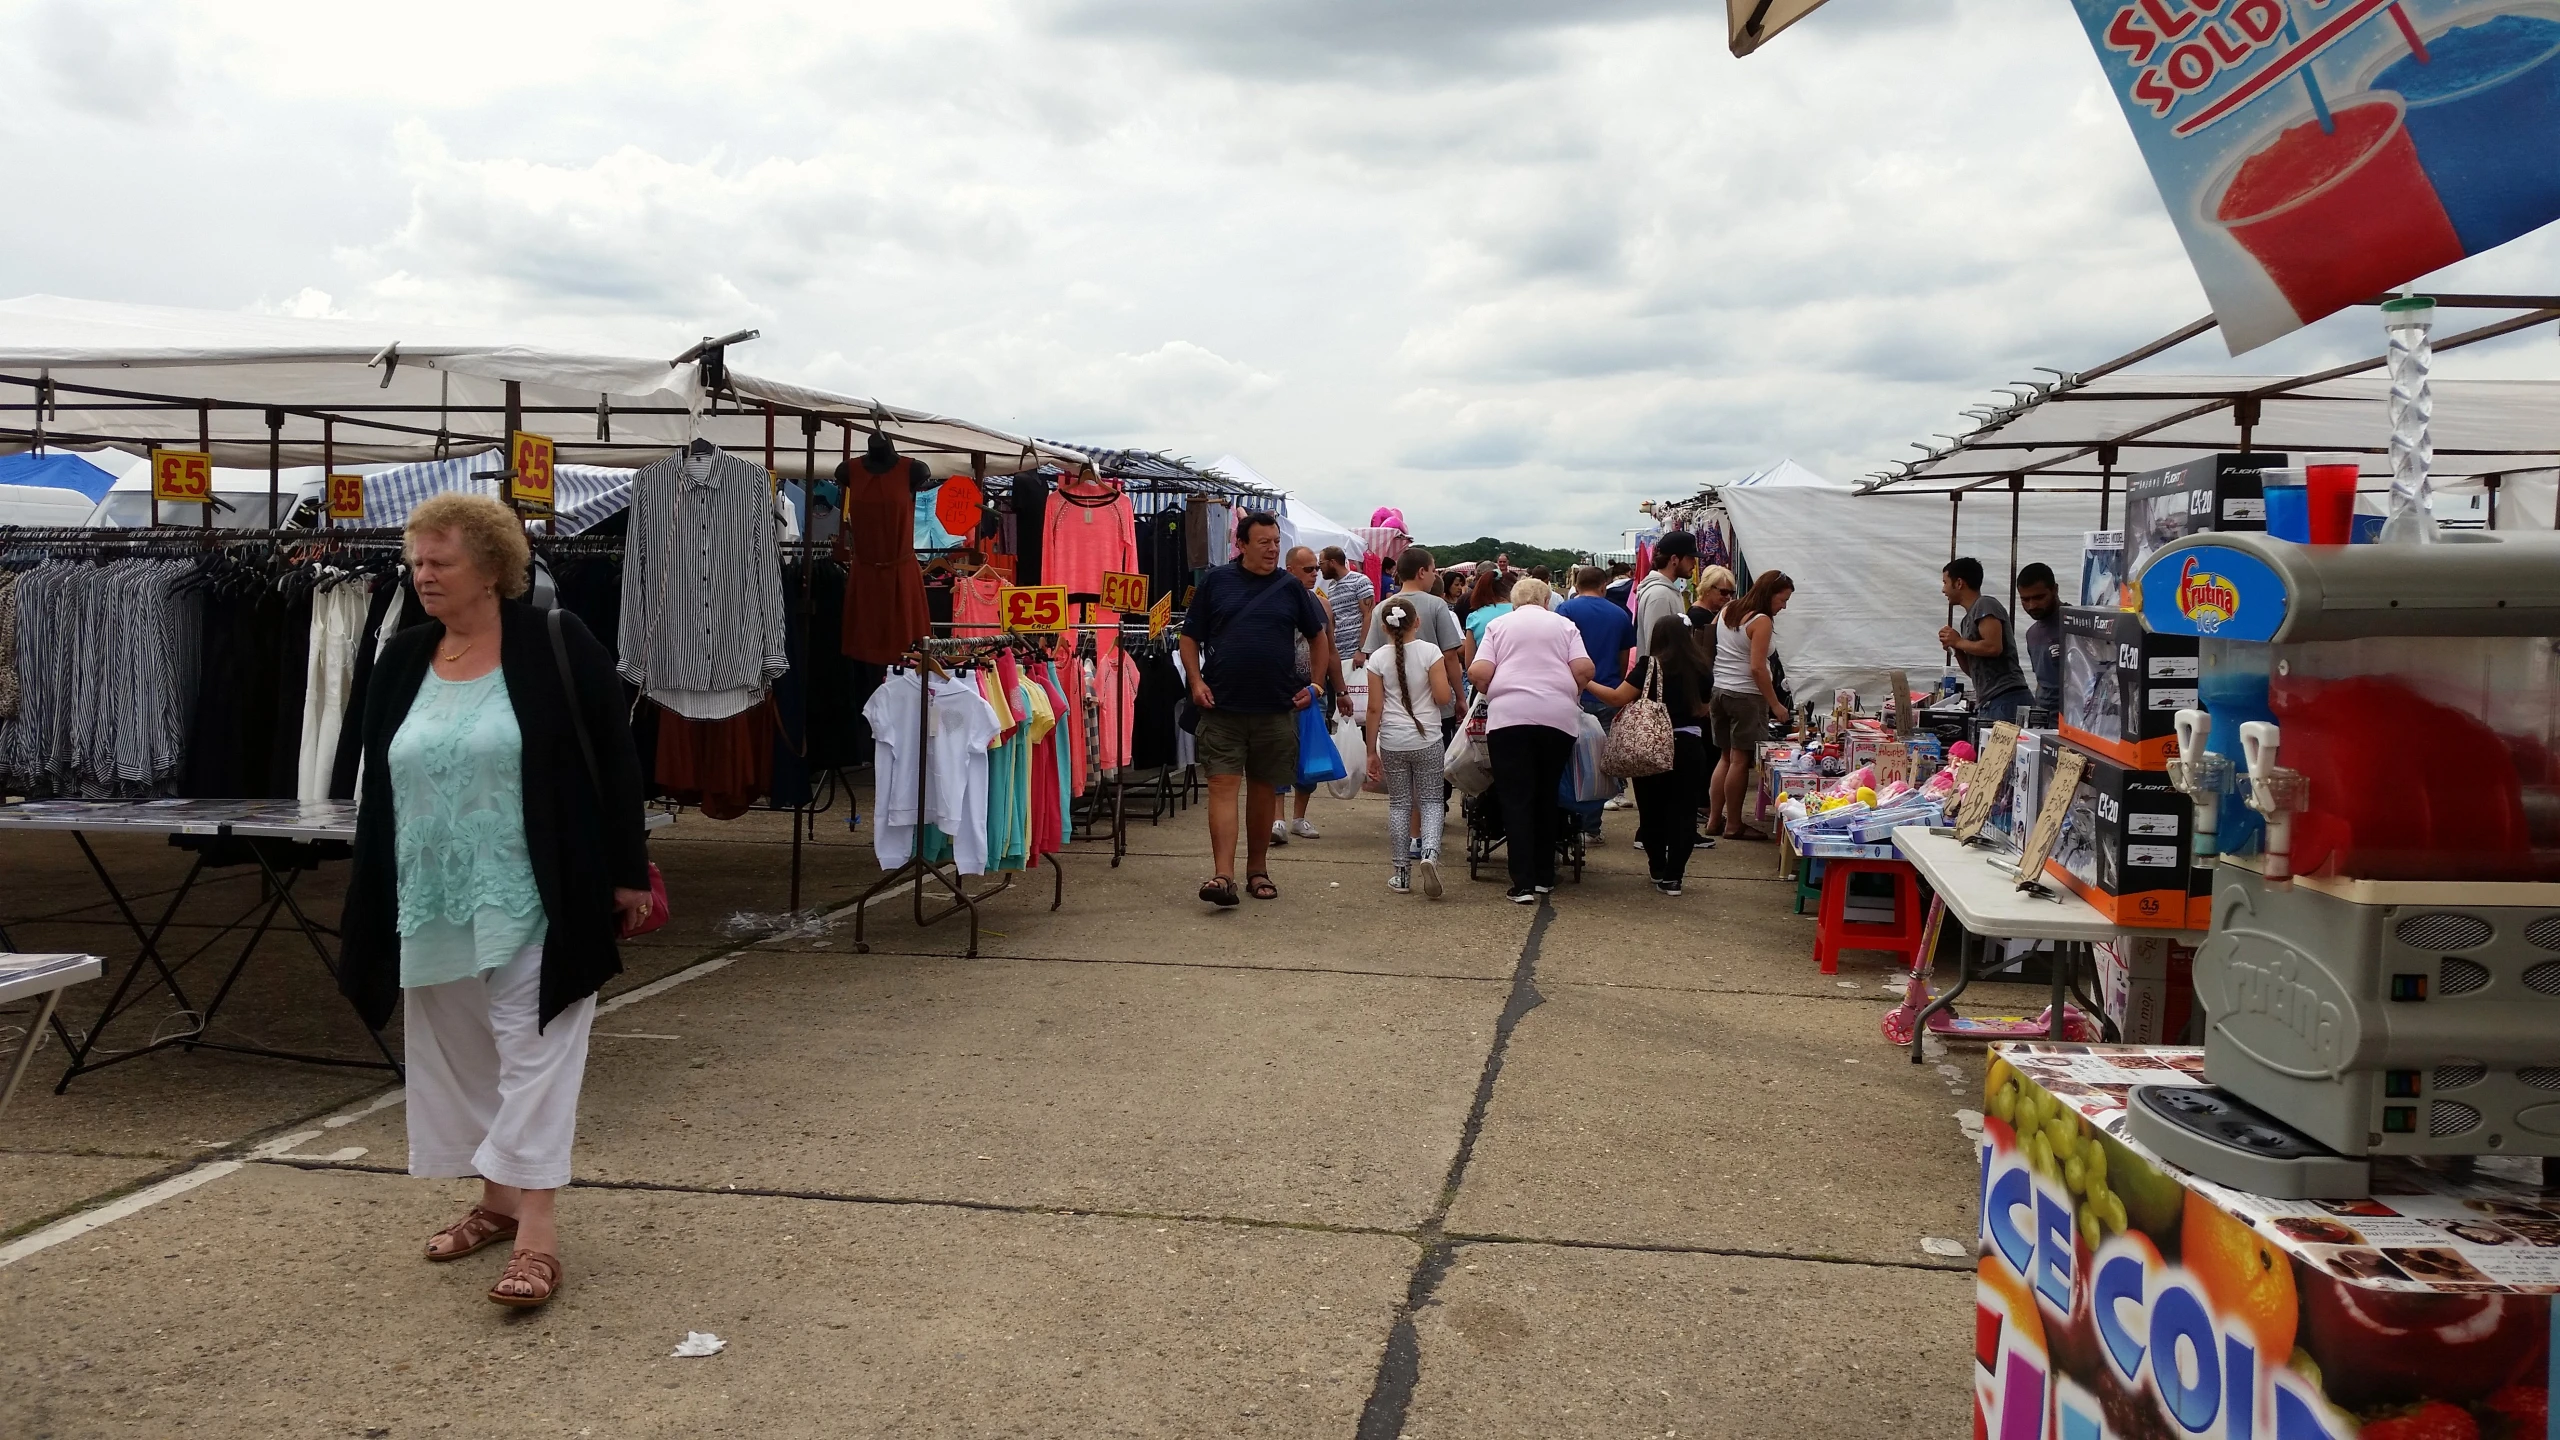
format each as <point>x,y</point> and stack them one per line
<point>1159,615</point>
<point>183,476</point>
<point>1990,774</point>
<point>2048,828</point>
<point>1124,593</point>
<point>1033,609</point>
<point>529,458</point>
<point>346,497</point>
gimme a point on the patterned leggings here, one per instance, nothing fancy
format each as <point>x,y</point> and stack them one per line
<point>1413,781</point>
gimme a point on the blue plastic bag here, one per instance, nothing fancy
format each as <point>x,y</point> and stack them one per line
<point>1318,760</point>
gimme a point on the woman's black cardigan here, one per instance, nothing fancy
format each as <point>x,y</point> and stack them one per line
<point>580,850</point>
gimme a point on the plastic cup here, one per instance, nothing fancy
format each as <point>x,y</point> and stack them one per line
<point>2288,510</point>
<point>2482,109</point>
<point>2336,216</point>
<point>2332,502</point>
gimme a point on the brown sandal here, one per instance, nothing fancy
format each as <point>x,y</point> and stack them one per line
<point>1220,891</point>
<point>475,1231</point>
<point>530,1267</point>
<point>1259,886</point>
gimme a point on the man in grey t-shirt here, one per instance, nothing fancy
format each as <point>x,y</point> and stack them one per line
<point>1659,597</point>
<point>1416,574</point>
<point>1982,642</point>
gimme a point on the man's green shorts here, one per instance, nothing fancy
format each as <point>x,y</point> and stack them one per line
<point>1261,748</point>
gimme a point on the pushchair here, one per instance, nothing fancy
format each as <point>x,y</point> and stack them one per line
<point>1485,838</point>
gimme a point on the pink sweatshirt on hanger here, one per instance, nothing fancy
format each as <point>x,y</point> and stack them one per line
<point>1079,542</point>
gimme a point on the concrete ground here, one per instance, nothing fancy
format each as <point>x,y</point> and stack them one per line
<point>1347,1165</point>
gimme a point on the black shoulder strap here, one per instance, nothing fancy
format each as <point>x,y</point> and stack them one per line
<point>569,691</point>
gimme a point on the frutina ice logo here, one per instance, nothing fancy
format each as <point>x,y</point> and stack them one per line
<point>2209,601</point>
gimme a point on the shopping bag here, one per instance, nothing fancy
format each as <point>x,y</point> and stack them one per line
<point>1348,743</point>
<point>1583,782</point>
<point>1640,743</point>
<point>1318,761</point>
<point>1468,764</point>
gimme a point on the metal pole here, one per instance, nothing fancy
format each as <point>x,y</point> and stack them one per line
<point>1955,526</point>
<point>2017,494</point>
<point>204,442</point>
<point>275,462</point>
<point>328,463</point>
<point>2492,482</point>
<point>800,818</point>
<point>2106,481</point>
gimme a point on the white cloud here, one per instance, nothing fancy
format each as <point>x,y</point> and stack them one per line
<point>1509,264</point>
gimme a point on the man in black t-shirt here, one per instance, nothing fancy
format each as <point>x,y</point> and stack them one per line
<point>1240,648</point>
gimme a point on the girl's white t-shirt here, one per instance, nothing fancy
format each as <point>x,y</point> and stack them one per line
<point>1397,730</point>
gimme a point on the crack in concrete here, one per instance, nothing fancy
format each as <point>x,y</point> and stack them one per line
<point>1400,1367</point>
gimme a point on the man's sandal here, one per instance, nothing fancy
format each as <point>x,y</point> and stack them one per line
<point>533,1269</point>
<point>1259,886</point>
<point>475,1231</point>
<point>1219,890</point>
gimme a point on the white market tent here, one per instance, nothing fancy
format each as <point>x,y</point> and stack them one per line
<point>1300,522</point>
<point>264,392</point>
<point>1866,569</point>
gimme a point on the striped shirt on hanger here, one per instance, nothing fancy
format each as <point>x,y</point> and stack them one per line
<point>701,579</point>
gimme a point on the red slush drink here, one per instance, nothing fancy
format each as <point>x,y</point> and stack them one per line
<point>2333,503</point>
<point>2338,217</point>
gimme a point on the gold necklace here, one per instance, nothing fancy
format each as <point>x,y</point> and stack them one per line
<point>458,654</point>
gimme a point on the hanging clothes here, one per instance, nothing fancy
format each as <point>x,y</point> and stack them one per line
<point>884,604</point>
<point>937,778</point>
<point>108,660</point>
<point>723,766</point>
<point>1091,530</point>
<point>974,607</point>
<point>338,612</point>
<point>702,619</point>
<point>1164,548</point>
<point>1151,712</point>
<point>1031,520</point>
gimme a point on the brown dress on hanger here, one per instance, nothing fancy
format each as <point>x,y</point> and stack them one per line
<point>884,609</point>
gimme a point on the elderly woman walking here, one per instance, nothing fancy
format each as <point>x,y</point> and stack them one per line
<point>1531,667</point>
<point>499,855</point>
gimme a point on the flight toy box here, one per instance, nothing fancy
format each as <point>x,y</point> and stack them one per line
<point>2125,844</point>
<point>2213,492</point>
<point>2123,686</point>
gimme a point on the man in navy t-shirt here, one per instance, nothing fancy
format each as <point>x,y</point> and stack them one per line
<point>1608,633</point>
<point>1246,618</point>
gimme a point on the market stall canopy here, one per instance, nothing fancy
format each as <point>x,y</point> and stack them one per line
<point>1300,522</point>
<point>1751,23</point>
<point>81,374</point>
<point>1788,474</point>
<point>2081,430</point>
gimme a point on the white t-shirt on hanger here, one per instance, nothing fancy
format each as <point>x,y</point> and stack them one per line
<point>955,792</point>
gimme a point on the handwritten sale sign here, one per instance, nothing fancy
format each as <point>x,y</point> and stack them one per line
<point>2315,153</point>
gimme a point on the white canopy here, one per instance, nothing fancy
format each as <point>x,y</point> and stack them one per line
<point>134,376</point>
<point>2480,427</point>
<point>1866,569</point>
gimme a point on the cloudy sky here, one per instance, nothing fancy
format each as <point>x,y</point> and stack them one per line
<point>1513,265</point>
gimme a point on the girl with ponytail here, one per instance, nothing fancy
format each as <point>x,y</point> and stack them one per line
<point>1407,683</point>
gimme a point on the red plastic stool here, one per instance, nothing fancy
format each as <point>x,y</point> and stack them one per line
<point>1835,932</point>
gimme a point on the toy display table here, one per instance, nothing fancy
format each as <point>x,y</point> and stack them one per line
<point>46,977</point>
<point>2117,1295</point>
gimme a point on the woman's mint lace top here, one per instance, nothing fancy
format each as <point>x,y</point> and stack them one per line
<point>467,897</point>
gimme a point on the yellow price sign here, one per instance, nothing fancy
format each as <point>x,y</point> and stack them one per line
<point>1033,608</point>
<point>1124,593</point>
<point>1159,615</point>
<point>346,497</point>
<point>183,476</point>
<point>529,457</point>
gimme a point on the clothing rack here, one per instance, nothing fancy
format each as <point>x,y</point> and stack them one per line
<point>926,656</point>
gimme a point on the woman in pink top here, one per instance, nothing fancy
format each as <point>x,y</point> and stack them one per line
<point>1531,668</point>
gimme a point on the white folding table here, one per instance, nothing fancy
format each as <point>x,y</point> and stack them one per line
<point>1984,897</point>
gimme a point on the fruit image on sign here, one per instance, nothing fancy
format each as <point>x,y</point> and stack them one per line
<point>346,497</point>
<point>529,460</point>
<point>182,476</point>
<point>1033,609</point>
<point>1124,593</point>
<point>2118,1298</point>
